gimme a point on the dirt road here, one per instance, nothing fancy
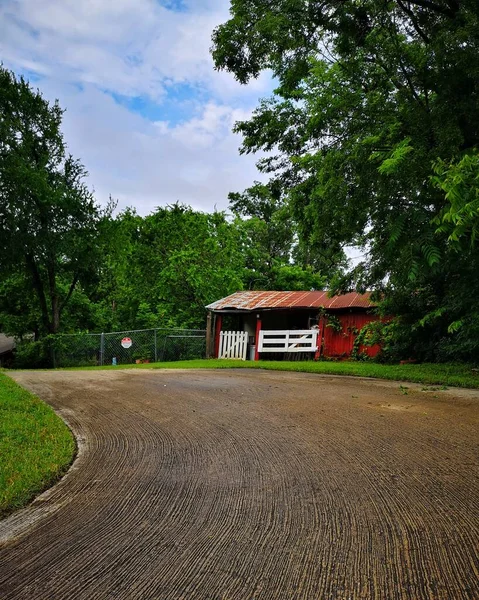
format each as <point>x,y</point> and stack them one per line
<point>247,485</point>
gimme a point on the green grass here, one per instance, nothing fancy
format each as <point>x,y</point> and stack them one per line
<point>36,447</point>
<point>459,375</point>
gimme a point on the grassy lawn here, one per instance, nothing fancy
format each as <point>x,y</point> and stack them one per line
<point>459,375</point>
<point>36,447</point>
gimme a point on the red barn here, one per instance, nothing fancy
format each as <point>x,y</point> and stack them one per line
<point>282,324</point>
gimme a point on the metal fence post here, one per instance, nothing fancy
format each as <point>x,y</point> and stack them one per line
<point>156,348</point>
<point>208,334</point>
<point>102,348</point>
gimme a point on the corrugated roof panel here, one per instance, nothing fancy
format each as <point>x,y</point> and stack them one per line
<point>253,300</point>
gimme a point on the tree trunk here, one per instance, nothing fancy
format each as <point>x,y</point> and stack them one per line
<point>38,287</point>
<point>55,301</point>
<point>55,323</point>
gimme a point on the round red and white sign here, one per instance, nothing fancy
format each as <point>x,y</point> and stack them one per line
<point>126,342</point>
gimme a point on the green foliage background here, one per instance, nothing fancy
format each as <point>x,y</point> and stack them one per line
<point>372,134</point>
<point>370,140</point>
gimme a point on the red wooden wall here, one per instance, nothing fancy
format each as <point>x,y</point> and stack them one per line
<point>337,344</point>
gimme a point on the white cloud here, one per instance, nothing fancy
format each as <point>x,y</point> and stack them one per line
<point>130,47</point>
<point>213,125</point>
<point>148,164</point>
<point>86,53</point>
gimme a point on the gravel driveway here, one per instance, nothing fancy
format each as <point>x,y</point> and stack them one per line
<point>251,485</point>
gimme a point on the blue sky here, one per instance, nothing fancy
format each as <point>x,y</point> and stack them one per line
<point>145,111</point>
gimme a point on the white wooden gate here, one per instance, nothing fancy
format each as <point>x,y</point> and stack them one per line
<point>303,340</point>
<point>233,344</point>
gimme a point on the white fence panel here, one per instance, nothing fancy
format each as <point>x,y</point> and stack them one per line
<point>295,340</point>
<point>233,344</point>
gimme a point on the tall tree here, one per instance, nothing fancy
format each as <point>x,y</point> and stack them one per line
<point>164,268</point>
<point>376,108</point>
<point>275,256</point>
<point>48,217</point>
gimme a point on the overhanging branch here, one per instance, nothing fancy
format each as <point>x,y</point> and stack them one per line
<point>437,8</point>
<point>70,292</point>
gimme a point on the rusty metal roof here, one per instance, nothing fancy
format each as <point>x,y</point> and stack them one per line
<point>283,300</point>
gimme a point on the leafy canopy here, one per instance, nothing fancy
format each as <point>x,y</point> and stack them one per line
<point>48,218</point>
<point>372,135</point>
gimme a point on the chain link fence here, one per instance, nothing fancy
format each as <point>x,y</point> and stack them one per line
<point>127,347</point>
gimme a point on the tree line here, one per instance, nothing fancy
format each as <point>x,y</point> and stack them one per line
<point>69,265</point>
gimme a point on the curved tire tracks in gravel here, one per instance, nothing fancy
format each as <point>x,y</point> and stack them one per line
<point>247,485</point>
